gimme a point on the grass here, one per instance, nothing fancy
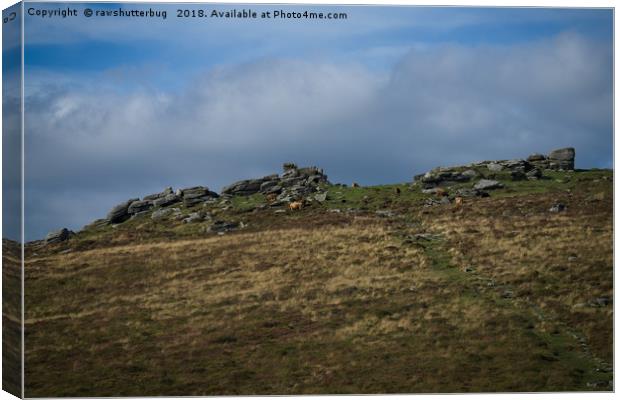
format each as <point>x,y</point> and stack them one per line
<point>317,301</point>
<point>559,263</point>
<point>11,318</point>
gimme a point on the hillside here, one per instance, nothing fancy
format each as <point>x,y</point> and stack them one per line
<point>382,289</point>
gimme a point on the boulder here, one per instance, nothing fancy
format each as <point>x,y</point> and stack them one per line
<point>162,213</point>
<point>196,195</point>
<point>494,167</point>
<point>562,159</point>
<point>273,189</point>
<point>222,226</point>
<point>193,217</point>
<point>470,173</point>
<point>154,196</point>
<point>244,188</point>
<point>301,189</point>
<point>139,206</point>
<point>119,213</point>
<point>194,192</point>
<point>534,174</point>
<point>517,165</point>
<point>487,184</point>
<point>58,236</point>
<point>271,177</point>
<point>316,179</point>
<point>536,157</point>
<point>442,177</point>
<point>416,178</point>
<point>192,202</point>
<point>265,187</point>
<point>166,200</point>
<point>320,197</point>
<point>294,180</point>
<point>288,173</point>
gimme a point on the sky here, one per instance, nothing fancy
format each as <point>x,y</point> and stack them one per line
<point>11,127</point>
<point>122,107</point>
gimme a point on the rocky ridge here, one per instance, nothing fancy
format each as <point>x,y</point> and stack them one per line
<point>294,184</point>
<point>529,169</point>
<point>188,196</point>
<point>307,184</point>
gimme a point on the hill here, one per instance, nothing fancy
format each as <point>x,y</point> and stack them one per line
<point>382,289</point>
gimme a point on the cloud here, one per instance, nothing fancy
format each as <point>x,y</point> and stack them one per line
<point>504,100</point>
<point>92,144</point>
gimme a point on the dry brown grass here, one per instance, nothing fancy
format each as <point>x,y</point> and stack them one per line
<point>558,263</point>
<point>292,269</point>
<point>11,317</point>
<point>323,309</point>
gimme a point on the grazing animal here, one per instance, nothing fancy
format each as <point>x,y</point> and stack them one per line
<point>355,184</point>
<point>271,197</point>
<point>458,204</point>
<point>295,205</point>
<point>397,191</point>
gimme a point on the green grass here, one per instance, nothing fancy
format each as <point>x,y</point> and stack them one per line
<point>373,198</point>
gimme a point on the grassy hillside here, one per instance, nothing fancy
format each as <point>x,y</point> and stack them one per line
<point>503,295</point>
<point>11,318</point>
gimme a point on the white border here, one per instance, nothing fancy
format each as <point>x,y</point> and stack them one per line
<point>477,3</point>
<point>23,183</point>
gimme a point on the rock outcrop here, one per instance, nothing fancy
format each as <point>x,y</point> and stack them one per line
<point>560,159</point>
<point>58,236</point>
<point>247,187</point>
<point>168,197</point>
<point>152,197</point>
<point>120,212</point>
<point>294,184</point>
<point>166,200</point>
<point>162,213</point>
<point>308,184</point>
<point>139,206</point>
<point>195,195</point>
<point>530,169</point>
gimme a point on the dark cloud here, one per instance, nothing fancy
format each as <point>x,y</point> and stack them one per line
<point>91,145</point>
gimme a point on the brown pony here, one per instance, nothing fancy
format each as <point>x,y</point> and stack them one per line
<point>295,205</point>
<point>458,204</point>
